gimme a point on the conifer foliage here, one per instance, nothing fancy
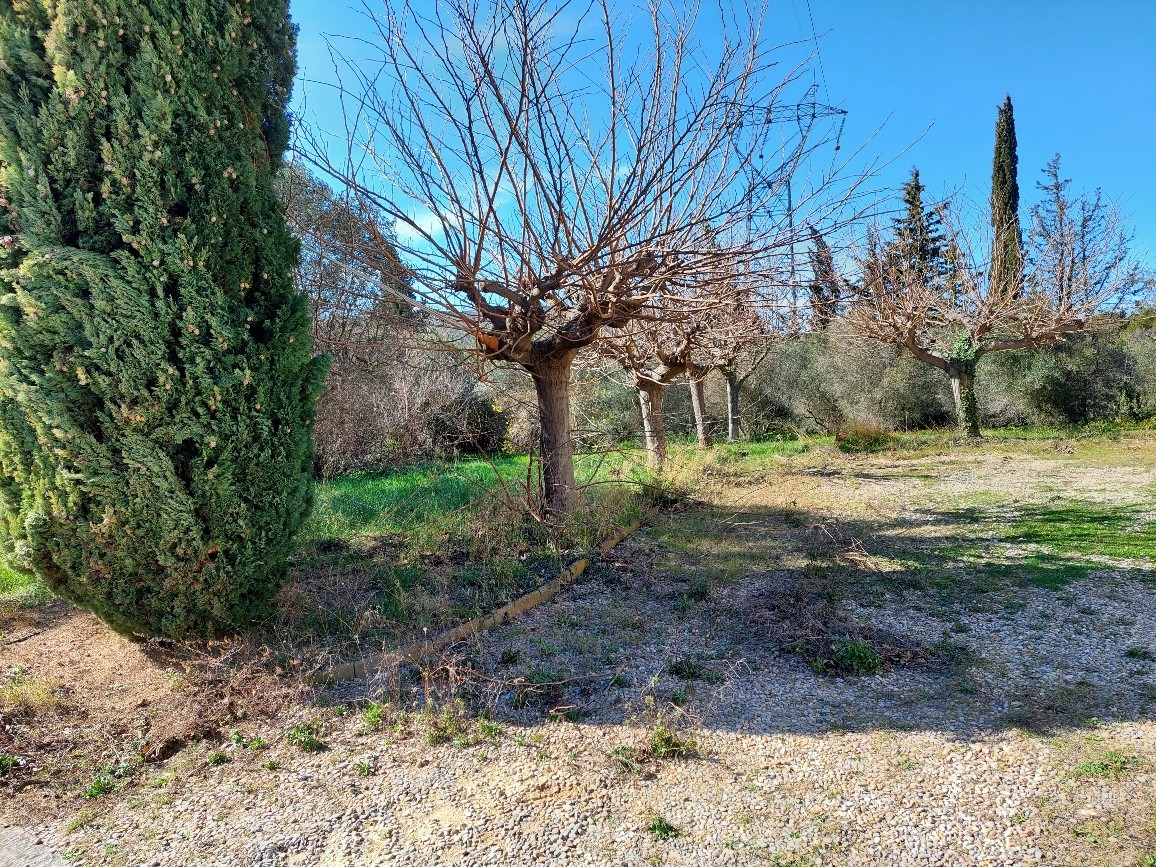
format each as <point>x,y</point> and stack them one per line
<point>156,374</point>
<point>1007,260</point>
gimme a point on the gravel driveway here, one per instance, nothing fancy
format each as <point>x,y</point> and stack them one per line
<point>698,700</point>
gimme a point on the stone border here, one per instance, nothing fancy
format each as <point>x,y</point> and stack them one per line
<point>499,617</point>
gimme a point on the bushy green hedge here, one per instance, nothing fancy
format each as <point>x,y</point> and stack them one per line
<point>156,372</point>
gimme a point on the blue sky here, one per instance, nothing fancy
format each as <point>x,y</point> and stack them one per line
<point>1081,74</point>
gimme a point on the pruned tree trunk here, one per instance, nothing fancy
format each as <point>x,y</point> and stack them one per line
<point>698,403</point>
<point>552,387</point>
<point>734,408</point>
<point>962,375</point>
<point>650,401</point>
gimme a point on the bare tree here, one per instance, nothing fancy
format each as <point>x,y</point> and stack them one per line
<point>951,318</point>
<point>552,174</point>
<point>683,337</point>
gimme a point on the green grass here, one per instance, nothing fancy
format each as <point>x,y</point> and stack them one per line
<point>1111,765</point>
<point>22,589</point>
<point>408,500</point>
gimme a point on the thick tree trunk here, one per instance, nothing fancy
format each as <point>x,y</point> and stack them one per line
<point>734,410</point>
<point>963,390</point>
<point>650,401</point>
<point>552,386</point>
<point>698,403</point>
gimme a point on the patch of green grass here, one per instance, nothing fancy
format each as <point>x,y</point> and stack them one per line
<point>20,588</point>
<point>1089,529</point>
<point>660,829</point>
<point>1111,765</point>
<point>7,762</point>
<point>1141,653</point>
<point>217,758</point>
<point>406,500</point>
<point>364,768</point>
<point>271,765</point>
<point>509,656</point>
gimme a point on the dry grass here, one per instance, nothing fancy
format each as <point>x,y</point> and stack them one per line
<point>24,695</point>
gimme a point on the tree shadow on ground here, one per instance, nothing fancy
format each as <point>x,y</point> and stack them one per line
<point>768,621</point>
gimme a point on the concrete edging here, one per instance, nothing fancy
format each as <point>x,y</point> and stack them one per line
<point>498,617</point>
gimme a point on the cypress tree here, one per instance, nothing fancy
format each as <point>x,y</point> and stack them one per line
<point>156,376</point>
<point>1007,261</point>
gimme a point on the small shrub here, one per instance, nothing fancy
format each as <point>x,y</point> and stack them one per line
<point>305,736</point>
<point>218,758</point>
<point>488,729</point>
<point>660,829</point>
<point>861,438</point>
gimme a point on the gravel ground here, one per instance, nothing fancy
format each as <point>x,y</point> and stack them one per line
<point>1013,727</point>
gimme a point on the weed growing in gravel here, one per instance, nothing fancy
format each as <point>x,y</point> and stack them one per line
<point>7,762</point>
<point>371,717</point>
<point>217,758</point>
<point>665,742</point>
<point>305,736</point>
<point>627,758</point>
<point>488,729</point>
<point>660,829</point>
<point>81,820</point>
<point>620,681</point>
<point>509,656</point>
<point>254,743</point>
<point>857,657</point>
<point>445,727</point>
<point>271,765</point>
<point>688,669</point>
<point>1111,765</point>
<point>1141,653</point>
<point>101,785</point>
<point>364,768</point>
<point>1148,860</point>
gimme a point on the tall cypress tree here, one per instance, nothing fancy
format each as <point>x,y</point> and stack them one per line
<point>155,366</point>
<point>1007,261</point>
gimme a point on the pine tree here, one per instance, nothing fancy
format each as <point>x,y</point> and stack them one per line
<point>1007,261</point>
<point>155,366</point>
<point>918,238</point>
<point>825,287</point>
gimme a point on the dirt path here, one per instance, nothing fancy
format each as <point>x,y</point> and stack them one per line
<point>890,660</point>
